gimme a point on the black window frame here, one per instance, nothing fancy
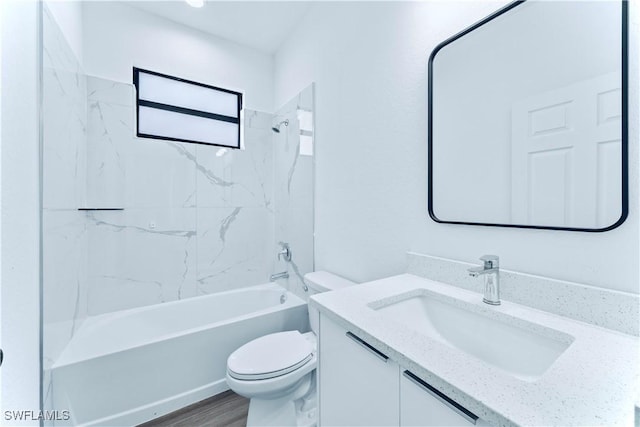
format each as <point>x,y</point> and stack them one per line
<point>186,111</point>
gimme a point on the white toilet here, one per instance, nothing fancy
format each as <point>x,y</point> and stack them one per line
<point>277,371</point>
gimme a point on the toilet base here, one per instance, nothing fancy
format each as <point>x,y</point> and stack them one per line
<point>298,409</point>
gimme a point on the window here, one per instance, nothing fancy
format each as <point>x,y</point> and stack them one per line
<point>175,109</point>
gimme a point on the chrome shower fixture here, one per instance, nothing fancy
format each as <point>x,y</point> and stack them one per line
<point>276,128</point>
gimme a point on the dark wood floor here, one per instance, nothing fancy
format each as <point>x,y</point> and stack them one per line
<point>224,410</point>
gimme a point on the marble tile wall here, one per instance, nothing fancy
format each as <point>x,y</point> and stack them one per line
<point>65,117</point>
<point>64,165</point>
<point>145,253</point>
<point>197,219</point>
<point>140,257</point>
<point>294,188</point>
<point>109,125</point>
<point>64,156</point>
<point>235,210</point>
<point>193,219</point>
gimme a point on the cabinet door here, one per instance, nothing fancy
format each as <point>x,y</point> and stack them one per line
<point>358,385</point>
<point>422,405</point>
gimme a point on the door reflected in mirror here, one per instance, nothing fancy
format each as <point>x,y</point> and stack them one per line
<point>527,118</point>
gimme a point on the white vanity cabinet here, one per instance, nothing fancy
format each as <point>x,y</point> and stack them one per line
<point>358,384</point>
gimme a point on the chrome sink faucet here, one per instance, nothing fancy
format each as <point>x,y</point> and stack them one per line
<point>491,272</point>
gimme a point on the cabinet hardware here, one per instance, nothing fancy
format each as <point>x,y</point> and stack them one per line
<point>460,410</point>
<point>368,346</point>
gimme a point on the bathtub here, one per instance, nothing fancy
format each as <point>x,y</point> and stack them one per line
<point>131,366</point>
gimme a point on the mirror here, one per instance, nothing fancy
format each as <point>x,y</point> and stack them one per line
<point>527,118</point>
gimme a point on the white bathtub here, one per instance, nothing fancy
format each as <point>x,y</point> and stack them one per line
<point>128,367</point>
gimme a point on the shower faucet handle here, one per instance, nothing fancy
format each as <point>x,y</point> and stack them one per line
<point>285,253</point>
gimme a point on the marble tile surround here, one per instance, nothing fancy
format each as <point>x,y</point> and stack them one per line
<point>196,219</point>
<point>610,309</point>
<point>65,120</point>
<point>64,228</point>
<point>293,190</point>
<point>64,159</point>
<point>133,264</point>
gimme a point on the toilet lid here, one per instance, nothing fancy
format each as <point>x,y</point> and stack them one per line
<point>270,356</point>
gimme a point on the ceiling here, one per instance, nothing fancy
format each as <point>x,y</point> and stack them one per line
<point>262,25</point>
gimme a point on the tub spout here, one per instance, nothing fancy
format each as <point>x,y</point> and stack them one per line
<point>283,275</point>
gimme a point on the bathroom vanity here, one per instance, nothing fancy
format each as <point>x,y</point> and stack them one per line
<point>363,386</point>
<point>411,351</point>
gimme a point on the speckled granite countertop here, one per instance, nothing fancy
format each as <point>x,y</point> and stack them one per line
<point>594,382</point>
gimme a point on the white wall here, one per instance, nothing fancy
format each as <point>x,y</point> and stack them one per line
<point>371,182</point>
<point>20,243</point>
<point>118,37</point>
<point>68,15</point>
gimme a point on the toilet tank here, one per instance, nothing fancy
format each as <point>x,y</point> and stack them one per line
<point>322,281</point>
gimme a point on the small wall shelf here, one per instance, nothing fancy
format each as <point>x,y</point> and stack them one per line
<point>100,209</point>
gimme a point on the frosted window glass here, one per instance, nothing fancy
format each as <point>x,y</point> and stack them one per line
<point>162,123</point>
<point>181,94</point>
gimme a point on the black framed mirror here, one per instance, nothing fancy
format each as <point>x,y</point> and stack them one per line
<point>527,114</point>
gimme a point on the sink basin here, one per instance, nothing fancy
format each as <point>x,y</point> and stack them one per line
<point>521,349</point>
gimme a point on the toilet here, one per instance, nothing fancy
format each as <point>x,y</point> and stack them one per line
<point>277,371</point>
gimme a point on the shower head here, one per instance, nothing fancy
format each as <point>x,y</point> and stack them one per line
<point>276,128</point>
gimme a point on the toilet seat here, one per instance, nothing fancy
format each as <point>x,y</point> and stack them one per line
<point>270,356</point>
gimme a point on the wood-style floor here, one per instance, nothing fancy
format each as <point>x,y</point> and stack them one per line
<point>224,410</point>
